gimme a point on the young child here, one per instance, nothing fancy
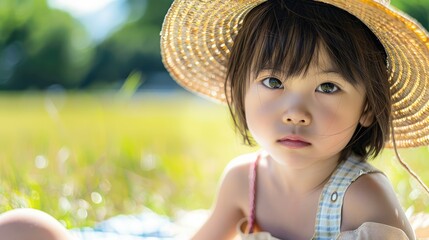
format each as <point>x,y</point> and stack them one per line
<point>321,86</point>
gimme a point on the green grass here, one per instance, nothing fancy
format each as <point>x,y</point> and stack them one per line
<point>84,157</point>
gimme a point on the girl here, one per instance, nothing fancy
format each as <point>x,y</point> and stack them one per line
<point>321,86</point>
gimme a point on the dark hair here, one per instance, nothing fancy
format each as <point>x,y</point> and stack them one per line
<point>286,34</point>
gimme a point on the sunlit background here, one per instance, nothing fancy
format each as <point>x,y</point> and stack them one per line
<point>99,17</point>
<point>92,126</point>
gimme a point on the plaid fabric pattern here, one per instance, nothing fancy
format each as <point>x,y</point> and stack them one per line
<point>144,226</point>
<point>328,219</point>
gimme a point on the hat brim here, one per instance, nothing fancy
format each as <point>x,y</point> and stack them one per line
<point>196,43</point>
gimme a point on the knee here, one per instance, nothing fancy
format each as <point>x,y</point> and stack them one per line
<point>31,224</point>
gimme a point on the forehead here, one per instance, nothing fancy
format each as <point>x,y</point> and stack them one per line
<point>318,60</point>
<point>322,61</point>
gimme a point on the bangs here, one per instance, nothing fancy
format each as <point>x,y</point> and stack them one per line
<point>287,38</point>
<point>284,43</point>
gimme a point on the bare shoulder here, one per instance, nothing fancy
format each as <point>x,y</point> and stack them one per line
<point>234,184</point>
<point>371,198</point>
<point>236,173</point>
<point>241,164</point>
<point>231,203</point>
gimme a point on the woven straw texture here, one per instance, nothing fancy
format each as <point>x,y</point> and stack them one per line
<point>197,36</point>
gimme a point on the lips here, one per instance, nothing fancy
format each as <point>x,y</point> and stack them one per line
<point>294,142</point>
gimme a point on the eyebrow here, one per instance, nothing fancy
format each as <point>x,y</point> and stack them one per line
<point>330,70</point>
<point>336,71</point>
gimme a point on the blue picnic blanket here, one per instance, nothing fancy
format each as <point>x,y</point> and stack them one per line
<point>144,226</point>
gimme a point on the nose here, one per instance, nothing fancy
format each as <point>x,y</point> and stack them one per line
<point>297,116</point>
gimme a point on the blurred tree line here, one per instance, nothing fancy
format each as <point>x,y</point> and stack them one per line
<point>41,47</point>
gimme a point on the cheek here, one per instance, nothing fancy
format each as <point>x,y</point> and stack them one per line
<point>257,115</point>
<point>252,109</point>
<point>337,117</point>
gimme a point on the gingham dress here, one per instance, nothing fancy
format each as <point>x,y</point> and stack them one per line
<point>328,218</point>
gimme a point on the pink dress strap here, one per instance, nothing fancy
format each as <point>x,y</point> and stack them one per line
<point>252,194</point>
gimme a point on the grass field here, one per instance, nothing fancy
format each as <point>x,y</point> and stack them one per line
<point>84,157</point>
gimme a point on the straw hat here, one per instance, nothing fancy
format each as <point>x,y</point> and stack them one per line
<point>197,36</point>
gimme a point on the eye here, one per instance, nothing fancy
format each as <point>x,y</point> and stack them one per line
<point>272,83</point>
<point>327,88</point>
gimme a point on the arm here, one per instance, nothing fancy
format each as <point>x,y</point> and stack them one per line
<point>31,224</point>
<point>371,198</point>
<point>227,210</point>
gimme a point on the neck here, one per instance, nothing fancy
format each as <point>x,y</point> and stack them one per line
<point>305,180</point>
